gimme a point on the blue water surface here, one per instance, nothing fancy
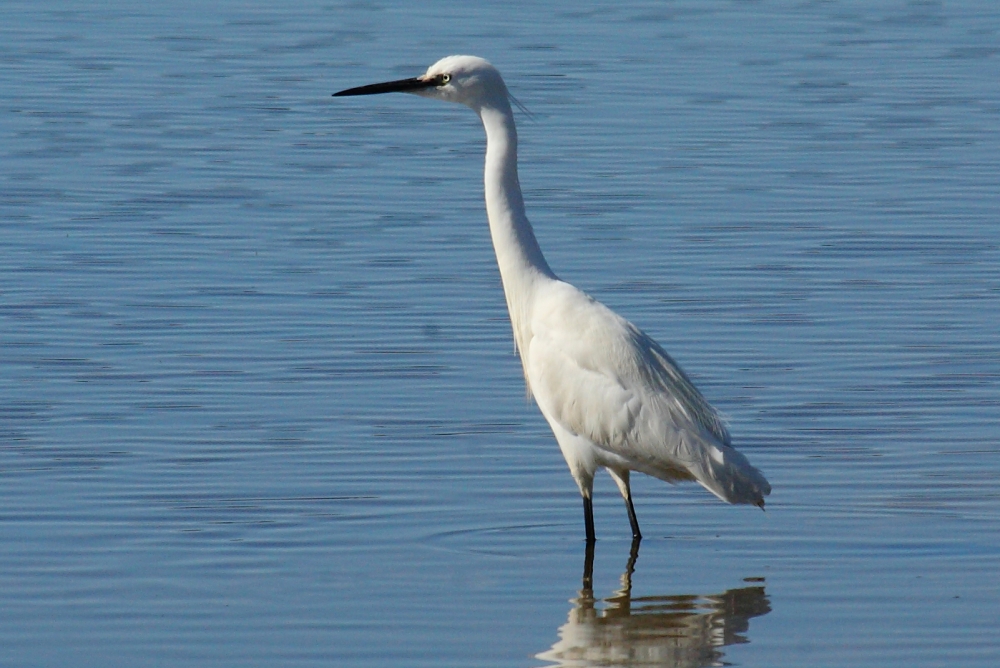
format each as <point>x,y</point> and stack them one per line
<point>259,402</point>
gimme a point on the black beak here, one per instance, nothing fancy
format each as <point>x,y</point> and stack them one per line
<point>401,86</point>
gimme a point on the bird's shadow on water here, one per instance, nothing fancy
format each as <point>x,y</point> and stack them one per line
<point>669,630</point>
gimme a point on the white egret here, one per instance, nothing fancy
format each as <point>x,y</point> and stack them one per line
<point>613,397</point>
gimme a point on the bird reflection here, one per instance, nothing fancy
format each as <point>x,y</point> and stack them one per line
<point>680,630</point>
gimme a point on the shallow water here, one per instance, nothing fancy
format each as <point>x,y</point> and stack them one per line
<point>258,397</point>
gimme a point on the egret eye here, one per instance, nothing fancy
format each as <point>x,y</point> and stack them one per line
<point>444,78</point>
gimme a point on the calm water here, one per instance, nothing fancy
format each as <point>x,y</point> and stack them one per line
<point>259,403</point>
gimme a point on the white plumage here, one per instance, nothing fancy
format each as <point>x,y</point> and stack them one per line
<point>613,397</point>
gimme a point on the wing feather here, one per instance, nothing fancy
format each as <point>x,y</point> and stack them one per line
<point>603,378</point>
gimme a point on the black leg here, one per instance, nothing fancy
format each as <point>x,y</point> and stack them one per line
<point>636,534</point>
<point>633,556</point>
<point>588,519</point>
<point>588,568</point>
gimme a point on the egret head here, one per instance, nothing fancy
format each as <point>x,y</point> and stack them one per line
<point>467,80</point>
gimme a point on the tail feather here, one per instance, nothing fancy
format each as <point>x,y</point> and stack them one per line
<point>725,472</point>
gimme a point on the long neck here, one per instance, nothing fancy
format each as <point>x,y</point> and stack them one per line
<point>522,265</point>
